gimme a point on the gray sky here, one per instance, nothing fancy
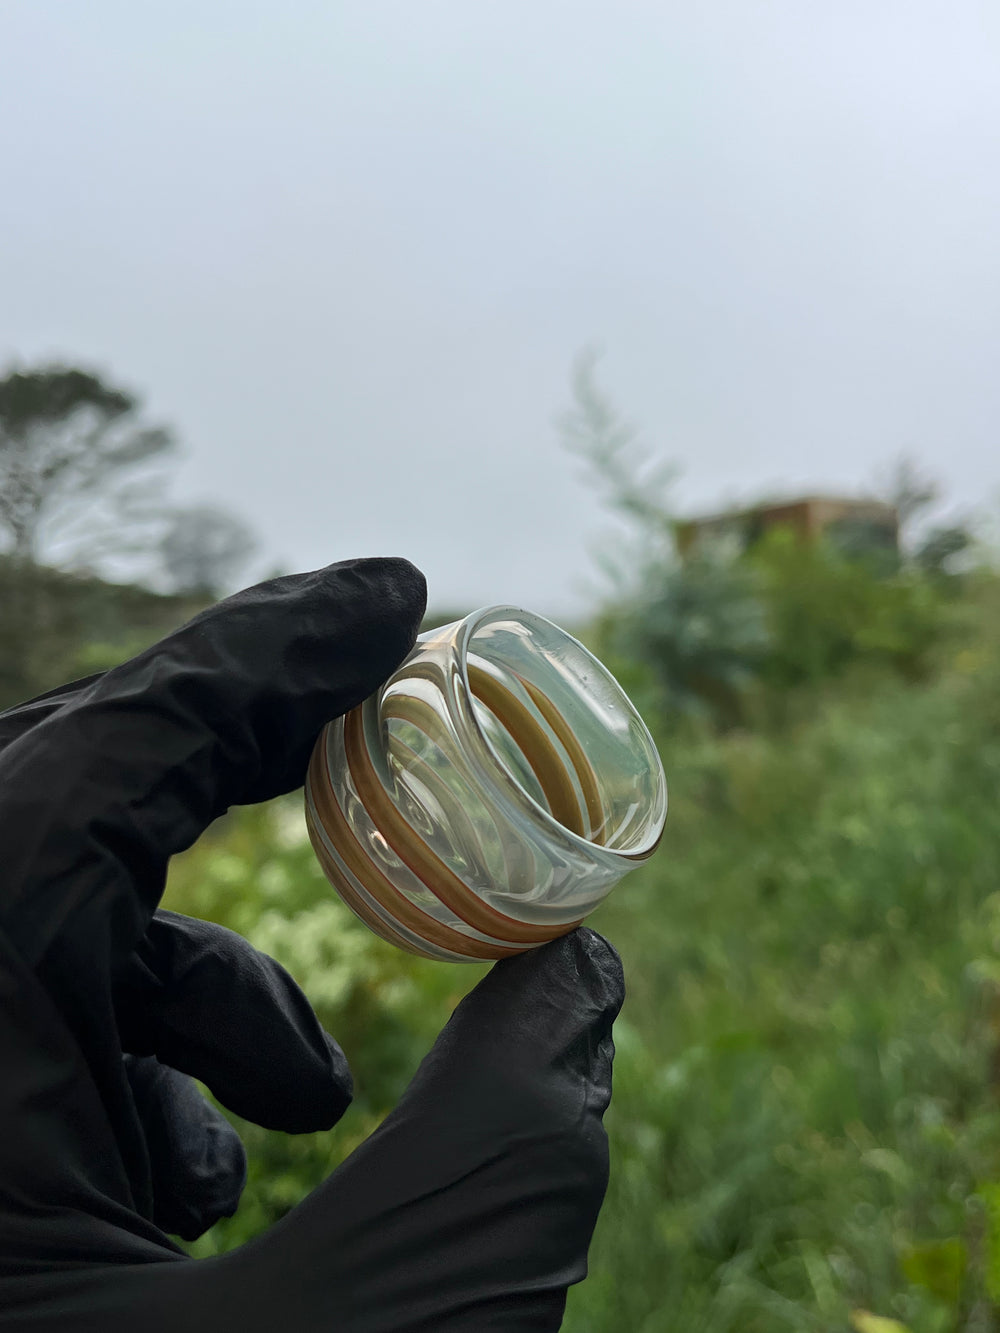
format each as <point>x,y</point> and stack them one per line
<point>350,250</point>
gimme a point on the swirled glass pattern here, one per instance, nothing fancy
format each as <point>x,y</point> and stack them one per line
<point>490,795</point>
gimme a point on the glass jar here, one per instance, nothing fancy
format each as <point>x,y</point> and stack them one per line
<point>489,795</point>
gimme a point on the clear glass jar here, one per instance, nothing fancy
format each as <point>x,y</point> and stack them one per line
<point>489,795</point>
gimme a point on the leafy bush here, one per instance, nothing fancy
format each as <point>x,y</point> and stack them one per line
<point>827,611</point>
<point>747,621</point>
<point>702,630</point>
<point>806,1123</point>
<point>805,1130</point>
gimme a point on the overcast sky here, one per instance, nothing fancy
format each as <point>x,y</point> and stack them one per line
<point>349,252</point>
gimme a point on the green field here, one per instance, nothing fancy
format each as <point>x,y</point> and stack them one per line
<point>806,1125</point>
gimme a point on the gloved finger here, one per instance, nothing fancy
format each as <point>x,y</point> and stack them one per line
<point>556,1005</point>
<point>470,1208</point>
<point>16,721</point>
<point>198,1166</point>
<point>473,1204</point>
<point>98,795</point>
<point>203,1001</point>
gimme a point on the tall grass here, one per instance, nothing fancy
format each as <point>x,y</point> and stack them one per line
<point>806,1127</point>
<point>806,1121</point>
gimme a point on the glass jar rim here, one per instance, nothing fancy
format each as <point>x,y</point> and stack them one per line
<point>489,761</point>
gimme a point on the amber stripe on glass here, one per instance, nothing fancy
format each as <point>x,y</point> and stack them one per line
<point>422,860</point>
<point>381,888</point>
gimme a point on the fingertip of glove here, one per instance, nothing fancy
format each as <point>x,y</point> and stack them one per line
<point>394,575</point>
<point>322,1091</point>
<point>388,599</point>
<point>338,1093</point>
<point>597,960</point>
<point>580,960</point>
<point>401,592</point>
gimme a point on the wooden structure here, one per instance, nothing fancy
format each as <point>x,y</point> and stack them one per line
<point>808,517</point>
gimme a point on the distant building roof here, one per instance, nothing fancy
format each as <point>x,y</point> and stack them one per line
<point>808,515</point>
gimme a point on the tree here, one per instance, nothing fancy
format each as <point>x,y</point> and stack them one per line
<point>633,488</point>
<point>204,548</point>
<point>936,549</point>
<point>912,493</point>
<point>74,460</point>
<point>696,625</point>
<point>941,548</point>
<point>82,492</point>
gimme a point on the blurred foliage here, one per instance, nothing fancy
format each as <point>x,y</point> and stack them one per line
<point>728,632</point>
<point>56,626</point>
<point>938,553</point>
<point>827,610</point>
<point>81,490</point>
<point>632,484</point>
<point>204,548</point>
<point>702,630</point>
<point>805,1130</point>
<point>72,448</point>
<point>806,1124</point>
<point>732,639</point>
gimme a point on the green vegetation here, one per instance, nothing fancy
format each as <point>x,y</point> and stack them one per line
<point>82,490</point>
<point>806,1126</point>
<point>806,1123</point>
<point>806,1119</point>
<point>56,626</point>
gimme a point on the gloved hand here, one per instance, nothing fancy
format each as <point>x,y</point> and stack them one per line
<point>470,1208</point>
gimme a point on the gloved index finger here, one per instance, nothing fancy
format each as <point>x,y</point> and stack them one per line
<point>15,721</point>
<point>99,794</point>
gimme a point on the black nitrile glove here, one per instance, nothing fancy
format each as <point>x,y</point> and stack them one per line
<point>470,1208</point>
